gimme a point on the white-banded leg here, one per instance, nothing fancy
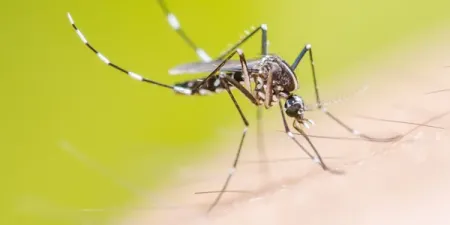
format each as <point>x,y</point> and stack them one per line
<point>322,107</point>
<point>115,66</point>
<point>224,79</point>
<point>226,82</point>
<point>259,113</point>
<point>238,153</point>
<point>259,137</point>
<point>175,24</point>
<point>248,35</point>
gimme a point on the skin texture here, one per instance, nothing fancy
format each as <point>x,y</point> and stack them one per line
<point>403,182</point>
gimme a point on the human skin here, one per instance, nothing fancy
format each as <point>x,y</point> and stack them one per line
<point>401,182</point>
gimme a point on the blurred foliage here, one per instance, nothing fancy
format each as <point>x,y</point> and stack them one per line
<point>72,126</point>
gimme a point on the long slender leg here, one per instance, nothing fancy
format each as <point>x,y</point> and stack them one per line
<point>308,48</point>
<point>259,112</point>
<point>245,75</point>
<point>317,158</point>
<point>245,90</point>
<point>356,132</point>
<point>302,132</point>
<point>109,63</point>
<point>300,56</point>
<point>398,121</point>
<point>259,130</point>
<point>264,42</point>
<point>175,24</point>
<point>224,80</point>
<point>240,88</point>
<point>213,73</point>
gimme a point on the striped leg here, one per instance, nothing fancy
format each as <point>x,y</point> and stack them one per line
<point>109,63</point>
<point>259,112</point>
<point>238,153</point>
<point>227,82</point>
<point>249,34</point>
<point>175,24</point>
<point>177,89</point>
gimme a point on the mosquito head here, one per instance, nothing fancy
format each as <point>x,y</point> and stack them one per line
<point>294,107</point>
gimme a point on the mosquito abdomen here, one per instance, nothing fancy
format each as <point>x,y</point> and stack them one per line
<point>211,86</point>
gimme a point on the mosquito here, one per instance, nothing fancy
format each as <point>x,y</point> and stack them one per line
<point>264,81</point>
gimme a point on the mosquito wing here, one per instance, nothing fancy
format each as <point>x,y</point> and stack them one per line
<point>205,67</point>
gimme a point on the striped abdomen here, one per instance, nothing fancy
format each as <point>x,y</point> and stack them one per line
<point>212,85</point>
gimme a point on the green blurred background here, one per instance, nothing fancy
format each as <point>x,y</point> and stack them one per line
<point>77,134</point>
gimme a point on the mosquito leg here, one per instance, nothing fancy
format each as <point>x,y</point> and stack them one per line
<point>317,159</point>
<point>259,137</point>
<point>243,89</point>
<point>213,73</point>
<point>302,132</point>
<point>398,121</point>
<point>264,42</point>
<point>356,132</point>
<point>240,88</point>
<point>300,56</point>
<point>259,134</point>
<point>259,112</point>
<point>245,75</point>
<point>109,63</point>
<point>175,24</point>
<point>224,80</point>
<point>308,48</point>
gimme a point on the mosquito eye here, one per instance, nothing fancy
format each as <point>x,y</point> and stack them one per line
<point>289,102</point>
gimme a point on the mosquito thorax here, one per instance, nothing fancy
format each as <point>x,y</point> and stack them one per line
<point>283,75</point>
<point>294,106</point>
